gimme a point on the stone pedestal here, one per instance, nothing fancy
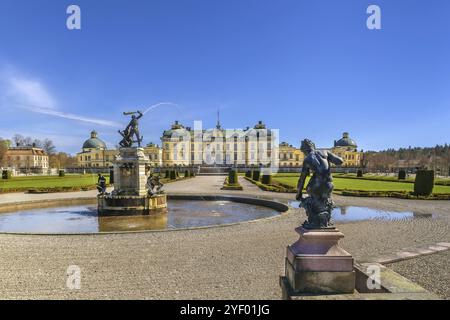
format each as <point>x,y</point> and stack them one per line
<point>129,172</point>
<point>316,264</point>
<point>130,194</point>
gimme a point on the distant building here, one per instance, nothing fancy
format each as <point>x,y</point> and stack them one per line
<point>95,154</point>
<point>290,156</point>
<point>346,148</point>
<point>219,147</point>
<point>27,159</point>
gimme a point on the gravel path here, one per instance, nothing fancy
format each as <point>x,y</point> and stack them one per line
<point>235,262</point>
<point>431,272</point>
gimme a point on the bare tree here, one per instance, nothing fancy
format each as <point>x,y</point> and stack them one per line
<point>18,140</point>
<point>48,146</point>
<point>61,160</point>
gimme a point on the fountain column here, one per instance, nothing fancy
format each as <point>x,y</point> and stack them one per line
<point>130,195</point>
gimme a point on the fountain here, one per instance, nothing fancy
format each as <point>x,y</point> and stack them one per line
<point>134,193</point>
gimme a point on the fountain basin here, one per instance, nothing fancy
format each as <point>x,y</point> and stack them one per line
<point>183,212</point>
<point>118,205</point>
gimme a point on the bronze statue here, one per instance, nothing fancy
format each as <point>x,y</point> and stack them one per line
<point>318,204</point>
<point>101,184</point>
<point>132,130</point>
<point>152,183</point>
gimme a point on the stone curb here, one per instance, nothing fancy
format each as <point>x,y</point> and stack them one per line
<point>410,253</point>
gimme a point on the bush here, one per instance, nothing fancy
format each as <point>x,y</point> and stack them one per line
<point>192,173</point>
<point>167,174</point>
<point>255,175</point>
<point>424,183</point>
<point>186,173</point>
<point>266,179</point>
<point>402,175</point>
<point>232,177</point>
<point>173,175</point>
<point>359,173</point>
<point>6,174</point>
<point>62,173</point>
<point>248,173</point>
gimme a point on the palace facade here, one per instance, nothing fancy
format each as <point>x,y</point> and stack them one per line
<point>184,146</point>
<point>27,159</point>
<point>219,147</point>
<point>346,148</point>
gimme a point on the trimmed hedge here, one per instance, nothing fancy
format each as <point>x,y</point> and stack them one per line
<point>187,174</point>
<point>167,174</point>
<point>266,179</point>
<point>61,173</point>
<point>232,177</point>
<point>173,175</point>
<point>6,174</point>
<point>231,186</point>
<point>275,187</point>
<point>424,183</point>
<point>255,175</point>
<point>111,176</point>
<point>359,173</point>
<point>401,175</point>
<point>248,173</point>
<point>394,194</point>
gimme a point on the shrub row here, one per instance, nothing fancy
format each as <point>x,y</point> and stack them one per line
<point>395,194</point>
<point>174,174</point>
<point>48,190</point>
<point>274,187</point>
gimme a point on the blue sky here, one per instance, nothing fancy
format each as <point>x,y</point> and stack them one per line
<point>310,68</point>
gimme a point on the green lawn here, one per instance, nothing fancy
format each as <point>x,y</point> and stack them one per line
<point>362,184</point>
<point>85,180</point>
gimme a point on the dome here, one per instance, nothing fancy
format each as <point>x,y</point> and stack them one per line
<point>345,141</point>
<point>94,142</point>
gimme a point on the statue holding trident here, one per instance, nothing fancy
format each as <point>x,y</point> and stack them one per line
<point>318,204</point>
<point>132,130</point>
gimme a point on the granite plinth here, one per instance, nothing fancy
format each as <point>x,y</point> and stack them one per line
<point>316,263</point>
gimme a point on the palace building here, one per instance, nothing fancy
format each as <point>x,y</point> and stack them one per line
<point>219,147</point>
<point>346,148</point>
<point>290,156</point>
<point>27,159</point>
<point>184,146</point>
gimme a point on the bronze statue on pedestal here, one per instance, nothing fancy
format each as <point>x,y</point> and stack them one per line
<point>318,204</point>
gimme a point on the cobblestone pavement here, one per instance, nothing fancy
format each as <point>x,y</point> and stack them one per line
<point>235,262</point>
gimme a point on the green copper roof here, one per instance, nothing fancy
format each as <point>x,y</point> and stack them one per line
<point>94,142</point>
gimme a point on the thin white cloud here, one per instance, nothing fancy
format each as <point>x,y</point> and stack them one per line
<point>32,95</point>
<point>70,116</point>
<point>32,92</point>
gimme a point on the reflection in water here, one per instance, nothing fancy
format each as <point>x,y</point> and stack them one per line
<point>132,223</point>
<point>84,219</point>
<point>352,213</point>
